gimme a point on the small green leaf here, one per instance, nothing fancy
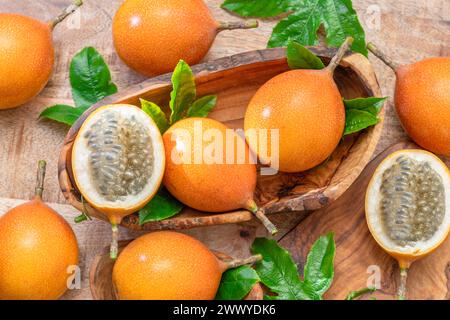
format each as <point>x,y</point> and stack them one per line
<point>278,272</point>
<point>201,107</point>
<point>155,112</point>
<point>62,113</point>
<point>184,91</point>
<point>237,283</point>
<point>90,78</point>
<point>162,206</point>
<point>372,105</point>
<point>357,120</point>
<point>257,8</point>
<point>353,295</point>
<point>300,57</point>
<point>319,267</point>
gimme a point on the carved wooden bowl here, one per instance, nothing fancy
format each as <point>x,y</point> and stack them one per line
<point>235,79</point>
<point>100,276</point>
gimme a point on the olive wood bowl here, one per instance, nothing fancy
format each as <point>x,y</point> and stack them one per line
<point>100,276</point>
<point>235,79</point>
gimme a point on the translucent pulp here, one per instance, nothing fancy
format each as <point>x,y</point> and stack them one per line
<point>121,155</point>
<point>412,205</point>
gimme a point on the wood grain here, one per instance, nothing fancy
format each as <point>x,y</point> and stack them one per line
<point>357,252</point>
<point>408,30</point>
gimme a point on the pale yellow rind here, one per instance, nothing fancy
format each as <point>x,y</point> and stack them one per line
<point>116,211</point>
<point>408,254</point>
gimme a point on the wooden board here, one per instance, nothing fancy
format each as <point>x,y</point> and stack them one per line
<point>357,253</point>
<point>407,29</point>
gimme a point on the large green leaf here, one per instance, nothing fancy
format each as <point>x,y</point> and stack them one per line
<point>258,8</point>
<point>90,78</point>
<point>237,283</point>
<point>301,26</point>
<point>299,57</point>
<point>155,112</point>
<point>337,16</point>
<point>340,21</point>
<point>319,267</point>
<point>278,271</point>
<point>183,93</point>
<point>62,113</point>
<point>162,206</point>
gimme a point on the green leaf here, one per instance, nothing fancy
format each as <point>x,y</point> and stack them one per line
<point>184,91</point>
<point>62,113</point>
<point>301,26</point>
<point>357,120</point>
<point>372,105</point>
<point>201,107</point>
<point>155,112</point>
<point>258,8</point>
<point>340,21</point>
<point>362,113</point>
<point>353,295</point>
<point>162,206</point>
<point>300,57</point>
<point>237,283</point>
<point>337,16</point>
<point>319,267</point>
<point>90,78</point>
<point>278,272</point>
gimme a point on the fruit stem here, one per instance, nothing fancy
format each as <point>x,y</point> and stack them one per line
<point>66,12</point>
<point>340,54</point>
<point>114,250</point>
<point>380,55</point>
<point>40,179</point>
<point>240,262</point>
<point>232,25</point>
<point>401,293</point>
<point>259,213</point>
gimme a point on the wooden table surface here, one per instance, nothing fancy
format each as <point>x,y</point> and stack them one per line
<point>407,30</point>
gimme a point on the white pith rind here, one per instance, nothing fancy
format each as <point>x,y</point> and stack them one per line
<point>82,171</point>
<point>373,198</point>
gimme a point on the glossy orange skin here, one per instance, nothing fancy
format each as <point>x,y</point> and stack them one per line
<point>422,101</point>
<point>26,59</point>
<point>37,247</point>
<point>167,265</point>
<point>307,108</point>
<point>152,36</point>
<point>208,187</point>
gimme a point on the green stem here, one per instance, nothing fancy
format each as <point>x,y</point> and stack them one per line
<point>380,55</point>
<point>66,12</point>
<point>40,179</point>
<point>356,294</point>
<point>340,54</point>
<point>114,250</point>
<point>248,24</point>
<point>240,262</point>
<point>401,293</point>
<point>82,217</point>
<point>259,213</point>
